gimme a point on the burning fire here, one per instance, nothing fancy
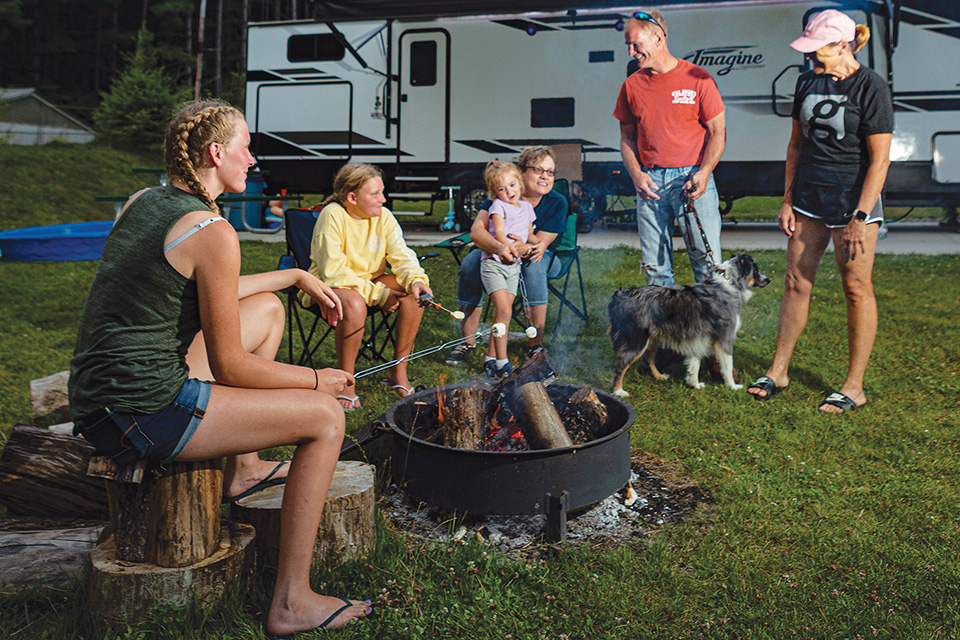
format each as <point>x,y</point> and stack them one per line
<point>503,437</point>
<point>442,378</point>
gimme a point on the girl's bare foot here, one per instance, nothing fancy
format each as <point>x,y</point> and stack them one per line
<point>239,477</point>
<point>316,611</point>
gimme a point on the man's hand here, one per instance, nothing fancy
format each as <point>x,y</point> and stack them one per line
<point>646,187</point>
<point>696,186</point>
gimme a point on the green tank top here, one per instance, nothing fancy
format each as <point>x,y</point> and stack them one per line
<point>140,317</point>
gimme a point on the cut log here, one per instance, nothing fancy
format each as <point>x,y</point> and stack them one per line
<point>43,473</point>
<point>48,396</point>
<point>538,418</point>
<point>347,526</point>
<point>172,517</point>
<point>44,558</point>
<point>123,593</point>
<point>584,416</point>
<point>463,418</point>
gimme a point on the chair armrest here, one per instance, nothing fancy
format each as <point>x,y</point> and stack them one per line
<point>286,262</point>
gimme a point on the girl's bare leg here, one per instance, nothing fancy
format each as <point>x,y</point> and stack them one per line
<point>349,334</point>
<point>502,313</point>
<point>261,329</point>
<point>804,252</point>
<point>243,420</point>
<point>409,315</point>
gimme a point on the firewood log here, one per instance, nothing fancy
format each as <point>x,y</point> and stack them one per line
<point>584,416</point>
<point>538,418</point>
<point>43,473</point>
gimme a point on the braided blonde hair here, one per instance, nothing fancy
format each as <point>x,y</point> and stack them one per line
<point>349,179</point>
<point>189,134</point>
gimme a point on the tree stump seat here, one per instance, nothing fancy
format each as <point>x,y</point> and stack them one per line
<point>168,546</point>
<point>347,528</point>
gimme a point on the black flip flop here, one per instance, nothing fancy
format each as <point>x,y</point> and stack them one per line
<point>267,482</point>
<point>323,625</point>
<point>841,401</point>
<point>765,383</point>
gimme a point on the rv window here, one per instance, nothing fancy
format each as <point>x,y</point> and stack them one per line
<point>313,48</point>
<point>423,63</point>
<point>551,112</point>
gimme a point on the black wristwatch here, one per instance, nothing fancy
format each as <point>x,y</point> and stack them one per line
<point>860,215</point>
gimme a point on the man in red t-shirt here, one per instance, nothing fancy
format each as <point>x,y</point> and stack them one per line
<point>672,131</point>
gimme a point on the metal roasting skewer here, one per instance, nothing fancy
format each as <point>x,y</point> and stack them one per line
<point>495,329</point>
<point>457,315</point>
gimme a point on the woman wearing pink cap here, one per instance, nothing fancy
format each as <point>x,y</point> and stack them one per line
<point>837,162</point>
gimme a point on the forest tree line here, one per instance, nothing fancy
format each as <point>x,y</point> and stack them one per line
<point>72,51</point>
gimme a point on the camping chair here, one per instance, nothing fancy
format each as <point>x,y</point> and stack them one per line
<point>378,334</point>
<point>566,250</point>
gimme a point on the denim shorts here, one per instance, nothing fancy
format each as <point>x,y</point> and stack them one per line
<point>161,436</point>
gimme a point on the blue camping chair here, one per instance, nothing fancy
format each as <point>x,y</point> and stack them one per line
<point>378,335</point>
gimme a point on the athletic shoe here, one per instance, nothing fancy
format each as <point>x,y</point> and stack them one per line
<point>505,370</point>
<point>490,367</point>
<point>534,350</point>
<point>460,353</point>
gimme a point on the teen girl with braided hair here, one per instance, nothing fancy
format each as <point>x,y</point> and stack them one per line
<point>174,356</point>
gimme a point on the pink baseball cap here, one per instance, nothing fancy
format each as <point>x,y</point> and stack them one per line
<point>826,28</point>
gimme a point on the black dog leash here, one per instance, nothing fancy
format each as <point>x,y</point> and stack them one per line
<point>688,208</point>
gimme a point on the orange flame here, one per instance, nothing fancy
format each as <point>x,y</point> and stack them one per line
<point>442,380</point>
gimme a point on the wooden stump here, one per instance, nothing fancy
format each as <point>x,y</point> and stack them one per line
<point>171,518</point>
<point>44,474</point>
<point>122,592</point>
<point>463,418</point>
<point>48,398</point>
<point>347,527</point>
<point>44,557</point>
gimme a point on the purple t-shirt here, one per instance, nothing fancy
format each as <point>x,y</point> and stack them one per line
<point>516,221</point>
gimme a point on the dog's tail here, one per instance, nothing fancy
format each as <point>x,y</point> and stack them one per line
<point>617,312</point>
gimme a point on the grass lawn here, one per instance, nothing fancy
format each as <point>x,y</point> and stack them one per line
<point>818,527</point>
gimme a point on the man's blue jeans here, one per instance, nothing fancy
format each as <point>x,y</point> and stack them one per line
<point>655,220</point>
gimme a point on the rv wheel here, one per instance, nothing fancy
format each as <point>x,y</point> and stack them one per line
<point>470,206</point>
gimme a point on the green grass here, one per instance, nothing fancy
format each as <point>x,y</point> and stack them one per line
<point>830,527</point>
<point>57,182</point>
<point>818,527</point>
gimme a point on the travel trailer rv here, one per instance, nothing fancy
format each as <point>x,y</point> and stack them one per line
<point>433,90</point>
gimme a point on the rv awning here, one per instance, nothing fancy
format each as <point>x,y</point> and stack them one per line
<point>333,10</point>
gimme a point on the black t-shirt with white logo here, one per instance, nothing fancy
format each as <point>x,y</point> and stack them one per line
<point>835,117</point>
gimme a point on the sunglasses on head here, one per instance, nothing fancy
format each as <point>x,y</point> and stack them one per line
<point>643,15</point>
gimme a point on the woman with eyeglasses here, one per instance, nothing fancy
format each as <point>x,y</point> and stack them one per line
<point>837,161</point>
<point>538,168</point>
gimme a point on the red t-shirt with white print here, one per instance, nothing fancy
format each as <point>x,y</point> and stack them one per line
<point>669,110</point>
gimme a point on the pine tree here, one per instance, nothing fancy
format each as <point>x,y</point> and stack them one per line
<point>134,113</point>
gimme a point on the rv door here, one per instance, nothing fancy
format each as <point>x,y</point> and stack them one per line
<point>423,110</point>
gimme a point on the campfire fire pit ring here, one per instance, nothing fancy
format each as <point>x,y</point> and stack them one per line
<point>547,482</point>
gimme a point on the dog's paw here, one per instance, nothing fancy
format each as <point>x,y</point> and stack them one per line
<point>735,386</point>
<point>621,393</point>
<point>695,384</point>
<point>662,376</point>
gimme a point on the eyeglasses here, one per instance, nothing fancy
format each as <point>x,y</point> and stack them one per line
<point>541,171</point>
<point>643,15</point>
